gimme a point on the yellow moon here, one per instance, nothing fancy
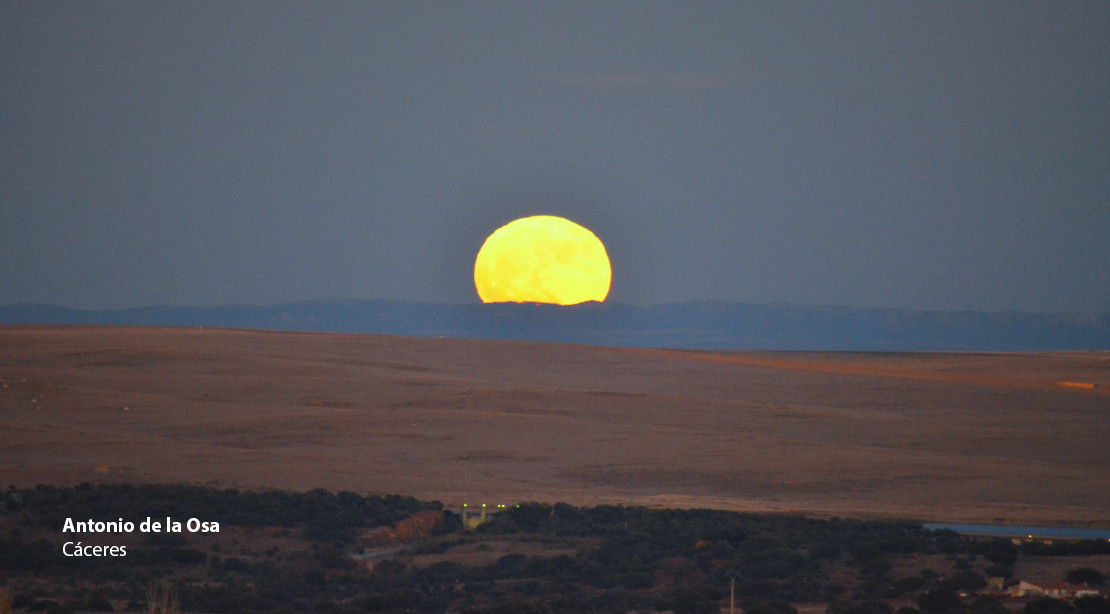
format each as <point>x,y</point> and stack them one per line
<point>542,259</point>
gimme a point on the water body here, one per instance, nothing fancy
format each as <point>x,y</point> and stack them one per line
<point>1019,531</point>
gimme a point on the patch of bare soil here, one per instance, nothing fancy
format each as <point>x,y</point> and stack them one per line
<point>946,437</point>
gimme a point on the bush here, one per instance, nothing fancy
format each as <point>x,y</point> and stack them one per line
<point>987,605</point>
<point>1092,605</point>
<point>965,581</point>
<point>999,571</point>
<point>941,601</point>
<point>1002,552</point>
<point>1085,575</point>
<point>1047,605</point>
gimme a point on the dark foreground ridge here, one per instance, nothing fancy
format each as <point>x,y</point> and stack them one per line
<point>325,552</point>
<point>694,325</point>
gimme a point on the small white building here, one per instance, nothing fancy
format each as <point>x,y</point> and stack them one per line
<point>1057,590</point>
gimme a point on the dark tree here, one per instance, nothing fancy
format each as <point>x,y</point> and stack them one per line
<point>1085,575</point>
<point>987,605</point>
<point>941,601</point>
<point>965,581</point>
<point>1092,605</point>
<point>1047,605</point>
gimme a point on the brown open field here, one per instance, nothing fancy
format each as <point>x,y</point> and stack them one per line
<point>950,437</point>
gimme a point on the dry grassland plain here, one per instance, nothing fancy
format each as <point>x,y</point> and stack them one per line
<point>937,437</point>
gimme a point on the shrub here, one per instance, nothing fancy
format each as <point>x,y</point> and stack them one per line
<point>940,601</point>
<point>1047,605</point>
<point>1085,575</point>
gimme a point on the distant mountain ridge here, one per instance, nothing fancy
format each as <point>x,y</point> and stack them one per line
<point>692,325</point>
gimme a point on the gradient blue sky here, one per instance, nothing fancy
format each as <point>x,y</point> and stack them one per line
<point>933,155</point>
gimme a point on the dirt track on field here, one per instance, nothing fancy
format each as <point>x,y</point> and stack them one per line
<point>949,437</point>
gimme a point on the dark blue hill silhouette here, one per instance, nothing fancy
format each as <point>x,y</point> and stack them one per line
<point>694,325</point>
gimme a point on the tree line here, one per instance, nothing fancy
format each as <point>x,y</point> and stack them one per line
<point>609,558</point>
